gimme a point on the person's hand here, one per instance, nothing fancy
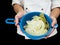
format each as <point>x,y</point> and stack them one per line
<point>54,21</point>
<point>17,17</point>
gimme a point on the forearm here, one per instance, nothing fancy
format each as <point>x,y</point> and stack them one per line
<point>17,8</point>
<point>55,12</point>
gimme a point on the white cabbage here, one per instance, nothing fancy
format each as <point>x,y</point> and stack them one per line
<point>35,27</point>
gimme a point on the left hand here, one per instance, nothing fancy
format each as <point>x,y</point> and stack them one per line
<point>54,21</point>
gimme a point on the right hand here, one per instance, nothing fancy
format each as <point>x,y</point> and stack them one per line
<point>17,17</point>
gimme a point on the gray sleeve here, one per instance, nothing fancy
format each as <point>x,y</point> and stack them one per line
<point>55,3</point>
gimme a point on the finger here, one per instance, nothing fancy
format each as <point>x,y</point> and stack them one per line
<point>18,26</point>
<point>46,37</point>
<point>16,20</point>
<point>54,22</point>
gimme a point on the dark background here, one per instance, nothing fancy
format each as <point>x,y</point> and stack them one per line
<point>8,32</point>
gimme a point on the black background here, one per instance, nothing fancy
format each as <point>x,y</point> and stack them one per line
<point>8,32</point>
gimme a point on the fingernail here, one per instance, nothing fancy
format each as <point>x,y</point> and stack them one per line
<point>52,25</point>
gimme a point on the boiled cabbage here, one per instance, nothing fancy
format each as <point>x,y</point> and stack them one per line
<point>37,26</point>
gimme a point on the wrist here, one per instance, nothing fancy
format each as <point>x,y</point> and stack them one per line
<point>20,14</point>
<point>53,17</point>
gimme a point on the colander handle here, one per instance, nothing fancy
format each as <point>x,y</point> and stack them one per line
<point>55,26</point>
<point>9,21</point>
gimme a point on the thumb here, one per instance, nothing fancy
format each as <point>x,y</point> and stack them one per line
<point>16,20</point>
<point>54,21</point>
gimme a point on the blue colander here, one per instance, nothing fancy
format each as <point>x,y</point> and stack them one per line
<point>29,16</point>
